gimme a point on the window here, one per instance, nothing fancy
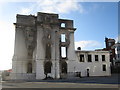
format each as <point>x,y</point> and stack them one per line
<point>110,52</point>
<point>118,48</point>
<point>29,54</point>
<point>30,35</point>
<point>89,58</point>
<point>48,36</point>
<point>104,67</point>
<point>48,51</point>
<point>81,58</point>
<point>47,19</point>
<point>109,44</point>
<point>118,55</point>
<point>63,52</point>
<point>63,39</point>
<point>62,24</point>
<point>79,48</point>
<point>103,57</point>
<point>96,57</point>
<point>29,47</point>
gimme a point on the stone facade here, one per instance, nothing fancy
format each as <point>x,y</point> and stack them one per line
<point>44,47</point>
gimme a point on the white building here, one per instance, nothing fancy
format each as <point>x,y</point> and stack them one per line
<point>96,61</point>
<point>44,45</point>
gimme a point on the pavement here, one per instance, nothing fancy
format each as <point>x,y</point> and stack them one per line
<point>84,82</point>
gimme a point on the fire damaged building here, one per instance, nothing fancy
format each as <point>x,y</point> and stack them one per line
<point>44,47</point>
<point>109,43</point>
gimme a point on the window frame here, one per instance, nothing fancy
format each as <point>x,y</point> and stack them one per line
<point>63,25</point>
<point>82,58</point>
<point>89,58</point>
<point>97,58</point>
<point>104,67</point>
<point>63,37</point>
<point>103,59</point>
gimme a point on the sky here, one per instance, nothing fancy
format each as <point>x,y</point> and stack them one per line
<point>94,21</point>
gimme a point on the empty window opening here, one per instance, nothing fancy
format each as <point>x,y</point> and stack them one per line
<point>48,51</point>
<point>118,55</point>
<point>109,44</point>
<point>29,68</point>
<point>49,36</point>
<point>104,67</point>
<point>30,54</point>
<point>89,58</point>
<point>111,52</point>
<point>29,47</point>
<point>103,57</point>
<point>63,38</point>
<point>62,24</point>
<point>63,52</point>
<point>30,35</point>
<point>81,58</point>
<point>47,19</point>
<point>79,48</point>
<point>96,57</point>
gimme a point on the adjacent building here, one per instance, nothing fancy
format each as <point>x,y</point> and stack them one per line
<point>44,47</point>
<point>117,60</point>
<point>109,43</point>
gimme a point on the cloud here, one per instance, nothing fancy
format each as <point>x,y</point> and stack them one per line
<point>59,6</point>
<point>87,44</point>
<point>25,11</point>
<point>6,44</point>
<point>62,0</point>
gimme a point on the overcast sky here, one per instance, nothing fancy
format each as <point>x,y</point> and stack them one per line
<point>94,21</point>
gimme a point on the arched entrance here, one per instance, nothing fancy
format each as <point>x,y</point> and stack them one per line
<point>63,69</point>
<point>47,67</point>
<point>29,67</point>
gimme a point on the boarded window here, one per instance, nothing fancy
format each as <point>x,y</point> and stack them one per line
<point>96,57</point>
<point>104,67</point>
<point>81,58</point>
<point>103,57</point>
<point>89,58</point>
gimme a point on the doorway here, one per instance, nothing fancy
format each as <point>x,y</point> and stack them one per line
<point>63,69</point>
<point>47,67</point>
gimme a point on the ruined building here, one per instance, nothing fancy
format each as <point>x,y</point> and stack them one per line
<point>44,47</point>
<point>109,43</point>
